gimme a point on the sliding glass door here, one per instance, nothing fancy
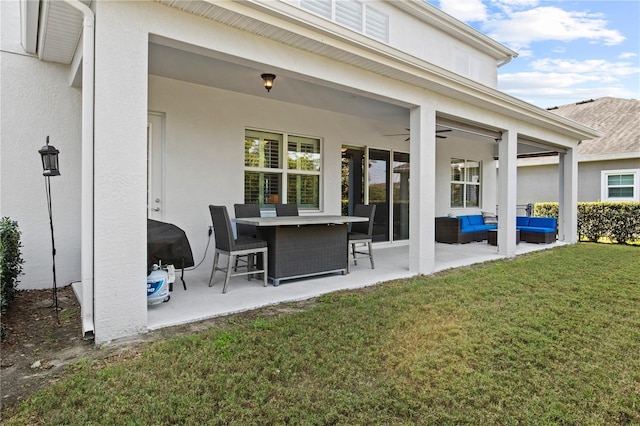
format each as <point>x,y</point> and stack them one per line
<point>400,196</point>
<point>352,178</point>
<point>380,177</point>
<point>379,189</point>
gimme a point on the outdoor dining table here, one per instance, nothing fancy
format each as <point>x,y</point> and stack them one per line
<point>303,246</point>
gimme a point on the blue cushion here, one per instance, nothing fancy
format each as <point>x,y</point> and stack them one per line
<point>475,219</point>
<point>538,230</point>
<point>464,221</point>
<point>543,222</point>
<point>522,220</point>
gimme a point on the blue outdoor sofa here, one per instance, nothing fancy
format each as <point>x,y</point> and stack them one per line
<point>537,229</point>
<point>468,228</point>
<point>462,229</point>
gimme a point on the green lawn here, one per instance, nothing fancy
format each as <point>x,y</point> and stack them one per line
<point>552,337</point>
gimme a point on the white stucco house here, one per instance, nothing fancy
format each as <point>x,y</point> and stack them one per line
<point>175,87</point>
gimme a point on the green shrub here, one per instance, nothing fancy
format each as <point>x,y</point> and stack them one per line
<point>545,210</point>
<point>616,221</point>
<point>10,260</point>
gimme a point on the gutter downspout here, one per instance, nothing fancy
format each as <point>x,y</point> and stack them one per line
<point>87,204</point>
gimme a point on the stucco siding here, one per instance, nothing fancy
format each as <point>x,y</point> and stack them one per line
<point>36,102</point>
<point>590,176</point>
<point>540,183</point>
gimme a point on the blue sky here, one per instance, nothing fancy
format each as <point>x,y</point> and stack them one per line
<point>569,51</point>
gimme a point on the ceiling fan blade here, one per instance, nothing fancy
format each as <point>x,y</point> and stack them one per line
<point>443,131</point>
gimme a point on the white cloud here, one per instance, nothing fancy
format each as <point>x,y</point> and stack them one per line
<point>508,6</point>
<point>521,28</point>
<point>536,80</point>
<point>594,67</point>
<point>566,80</point>
<point>465,10</point>
<point>627,55</point>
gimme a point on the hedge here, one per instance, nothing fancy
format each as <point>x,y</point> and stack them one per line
<point>619,221</point>
<point>10,262</point>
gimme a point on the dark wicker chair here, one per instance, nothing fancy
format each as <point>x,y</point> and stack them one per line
<point>362,232</point>
<point>242,230</point>
<point>287,210</point>
<point>246,210</point>
<point>232,247</point>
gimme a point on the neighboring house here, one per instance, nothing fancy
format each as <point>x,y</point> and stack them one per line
<point>156,105</point>
<point>608,166</point>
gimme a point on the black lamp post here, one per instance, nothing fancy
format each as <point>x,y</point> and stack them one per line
<point>49,156</point>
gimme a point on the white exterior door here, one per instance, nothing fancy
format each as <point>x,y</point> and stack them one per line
<point>155,166</point>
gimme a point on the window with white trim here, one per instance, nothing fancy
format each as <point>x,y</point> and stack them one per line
<point>278,164</point>
<point>620,185</point>
<point>353,14</point>
<point>465,183</point>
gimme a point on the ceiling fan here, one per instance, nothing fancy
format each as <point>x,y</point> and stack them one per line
<point>407,134</point>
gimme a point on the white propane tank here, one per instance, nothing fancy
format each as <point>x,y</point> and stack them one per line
<point>157,286</point>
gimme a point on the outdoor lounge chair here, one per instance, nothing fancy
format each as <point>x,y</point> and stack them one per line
<point>233,247</point>
<point>362,233</point>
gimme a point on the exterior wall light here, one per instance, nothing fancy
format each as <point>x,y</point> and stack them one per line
<point>268,81</point>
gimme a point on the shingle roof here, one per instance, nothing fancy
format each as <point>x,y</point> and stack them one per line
<point>618,120</point>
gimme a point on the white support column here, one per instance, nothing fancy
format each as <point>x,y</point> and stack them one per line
<point>568,197</point>
<point>120,176</point>
<point>507,190</point>
<point>422,177</point>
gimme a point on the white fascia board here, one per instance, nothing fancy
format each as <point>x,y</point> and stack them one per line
<point>542,161</point>
<point>29,15</point>
<point>537,161</point>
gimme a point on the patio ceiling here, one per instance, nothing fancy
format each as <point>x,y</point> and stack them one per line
<point>171,59</point>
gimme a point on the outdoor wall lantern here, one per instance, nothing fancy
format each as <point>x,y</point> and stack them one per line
<point>50,168</point>
<point>268,81</point>
<point>49,160</point>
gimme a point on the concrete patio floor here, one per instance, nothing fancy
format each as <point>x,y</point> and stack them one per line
<point>201,302</point>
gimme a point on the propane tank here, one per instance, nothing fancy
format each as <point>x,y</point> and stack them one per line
<point>157,286</point>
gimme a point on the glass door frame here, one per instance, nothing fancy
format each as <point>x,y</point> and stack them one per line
<point>390,175</point>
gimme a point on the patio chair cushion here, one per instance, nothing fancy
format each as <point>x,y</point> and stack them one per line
<point>244,242</point>
<point>475,219</point>
<point>522,220</point>
<point>543,222</point>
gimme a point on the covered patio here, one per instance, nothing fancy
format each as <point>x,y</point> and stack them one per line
<point>201,302</point>
<point>173,116</point>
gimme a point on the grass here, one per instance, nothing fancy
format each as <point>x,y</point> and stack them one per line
<point>552,337</point>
